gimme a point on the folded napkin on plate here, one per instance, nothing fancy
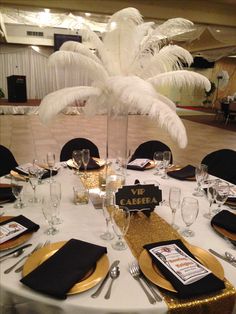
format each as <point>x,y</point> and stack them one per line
<point>27,223</point>
<point>6,193</point>
<point>58,274</point>
<point>44,176</point>
<point>225,219</point>
<point>92,165</point>
<point>206,285</point>
<point>184,173</point>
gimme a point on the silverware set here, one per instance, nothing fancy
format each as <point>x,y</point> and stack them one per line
<point>136,273</point>
<point>113,273</point>
<point>227,257</point>
<point>38,246</point>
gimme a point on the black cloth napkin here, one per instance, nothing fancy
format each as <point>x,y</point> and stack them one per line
<point>206,285</point>
<point>58,274</point>
<point>92,165</point>
<point>185,173</point>
<point>27,223</point>
<point>6,193</point>
<point>225,219</point>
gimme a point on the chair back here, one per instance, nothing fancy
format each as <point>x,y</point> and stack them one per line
<point>78,144</point>
<point>7,161</point>
<point>147,150</point>
<point>222,164</point>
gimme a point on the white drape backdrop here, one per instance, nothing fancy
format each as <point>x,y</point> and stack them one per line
<point>40,78</point>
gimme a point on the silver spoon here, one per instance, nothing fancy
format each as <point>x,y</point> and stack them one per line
<point>230,257</point>
<point>16,254</point>
<point>114,273</point>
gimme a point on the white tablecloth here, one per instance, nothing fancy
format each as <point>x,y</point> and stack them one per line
<point>86,223</point>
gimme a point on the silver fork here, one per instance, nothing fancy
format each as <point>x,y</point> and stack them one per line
<point>135,273</point>
<point>21,267</point>
<point>150,286</point>
<point>8,270</point>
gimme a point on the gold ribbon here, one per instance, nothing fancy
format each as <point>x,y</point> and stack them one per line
<point>143,230</point>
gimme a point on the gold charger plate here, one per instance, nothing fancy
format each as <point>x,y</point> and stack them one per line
<point>100,162</point>
<point>153,274</point>
<point>93,277</point>
<point>15,241</point>
<point>225,233</point>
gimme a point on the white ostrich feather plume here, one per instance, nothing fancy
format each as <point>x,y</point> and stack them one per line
<point>131,66</point>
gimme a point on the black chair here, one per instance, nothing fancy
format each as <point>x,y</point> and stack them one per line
<point>222,164</point>
<point>78,143</point>
<point>7,161</point>
<point>147,150</point>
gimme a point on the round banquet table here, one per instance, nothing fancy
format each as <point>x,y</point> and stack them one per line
<point>86,223</point>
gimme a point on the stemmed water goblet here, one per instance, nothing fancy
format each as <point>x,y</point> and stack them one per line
<point>17,190</point>
<point>211,195</point>
<point>77,156</point>
<point>189,212</point>
<point>51,163</point>
<point>120,220</point>
<point>201,174</point>
<point>55,193</point>
<point>50,214</point>
<point>222,189</point>
<point>166,162</point>
<point>158,159</point>
<point>174,202</point>
<point>106,203</point>
<point>85,159</point>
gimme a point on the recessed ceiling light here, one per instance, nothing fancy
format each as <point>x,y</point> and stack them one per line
<point>218,30</point>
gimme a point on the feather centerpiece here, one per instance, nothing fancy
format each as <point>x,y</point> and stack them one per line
<point>133,62</point>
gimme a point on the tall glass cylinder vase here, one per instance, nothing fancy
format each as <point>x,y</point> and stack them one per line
<point>117,129</point>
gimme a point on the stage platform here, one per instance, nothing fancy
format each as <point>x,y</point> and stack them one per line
<point>31,107</point>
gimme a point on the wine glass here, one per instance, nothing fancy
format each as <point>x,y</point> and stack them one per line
<point>85,159</point>
<point>174,202</point>
<point>201,174</point>
<point>17,190</point>
<point>158,159</point>
<point>50,214</point>
<point>222,189</point>
<point>41,168</point>
<point>51,163</point>
<point>55,193</point>
<point>106,202</point>
<point>166,162</point>
<point>211,195</point>
<point>34,180</point>
<point>77,158</point>
<point>120,219</point>
<point>189,212</point>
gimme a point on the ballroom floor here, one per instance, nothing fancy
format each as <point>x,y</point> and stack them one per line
<point>28,138</point>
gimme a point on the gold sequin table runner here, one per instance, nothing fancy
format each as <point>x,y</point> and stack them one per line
<point>143,230</point>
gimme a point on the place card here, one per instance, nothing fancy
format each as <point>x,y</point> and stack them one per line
<point>139,162</point>
<point>181,265</point>
<point>10,230</point>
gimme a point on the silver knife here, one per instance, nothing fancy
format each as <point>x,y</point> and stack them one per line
<point>224,258</point>
<point>98,291</point>
<point>16,250</point>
